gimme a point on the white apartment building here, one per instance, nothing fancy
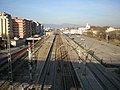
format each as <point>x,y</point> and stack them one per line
<point>5,25</point>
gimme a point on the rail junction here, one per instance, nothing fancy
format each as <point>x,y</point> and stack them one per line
<point>57,63</point>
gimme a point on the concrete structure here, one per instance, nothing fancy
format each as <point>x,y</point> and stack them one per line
<point>5,25</point>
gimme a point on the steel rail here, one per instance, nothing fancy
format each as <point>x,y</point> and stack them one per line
<point>17,57</point>
<point>45,68</point>
<point>106,77</point>
<point>113,84</point>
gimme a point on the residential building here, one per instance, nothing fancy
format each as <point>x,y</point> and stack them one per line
<point>23,28</point>
<point>34,25</point>
<point>19,27</point>
<point>42,30</point>
<point>5,25</point>
<point>30,29</point>
<point>28,26</point>
<point>38,28</point>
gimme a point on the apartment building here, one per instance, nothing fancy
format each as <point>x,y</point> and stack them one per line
<point>23,28</point>
<point>5,25</point>
<point>42,31</point>
<point>38,28</point>
<point>28,27</point>
<point>18,27</point>
<point>34,26</point>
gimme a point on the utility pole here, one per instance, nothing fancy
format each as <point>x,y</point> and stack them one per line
<point>30,61</point>
<point>9,61</point>
<point>33,55</point>
<point>33,49</point>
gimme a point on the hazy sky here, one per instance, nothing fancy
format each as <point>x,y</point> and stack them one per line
<point>94,12</point>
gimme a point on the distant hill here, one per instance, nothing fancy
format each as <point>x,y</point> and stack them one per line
<point>60,26</point>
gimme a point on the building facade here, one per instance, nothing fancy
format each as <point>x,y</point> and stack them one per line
<point>19,28</point>
<point>38,28</point>
<point>28,26</point>
<point>34,26</point>
<point>23,28</point>
<point>5,25</point>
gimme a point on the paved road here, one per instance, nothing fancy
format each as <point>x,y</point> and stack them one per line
<point>108,52</point>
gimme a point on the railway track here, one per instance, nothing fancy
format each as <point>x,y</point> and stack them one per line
<point>106,82</point>
<point>57,69</point>
<point>66,75</point>
<point>16,55</point>
<point>69,80</point>
<point>57,72</point>
<point>40,81</point>
<point>94,70</point>
<point>56,64</point>
<point>4,62</point>
<point>18,60</point>
<point>16,64</point>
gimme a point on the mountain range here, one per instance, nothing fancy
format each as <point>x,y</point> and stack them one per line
<point>65,25</point>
